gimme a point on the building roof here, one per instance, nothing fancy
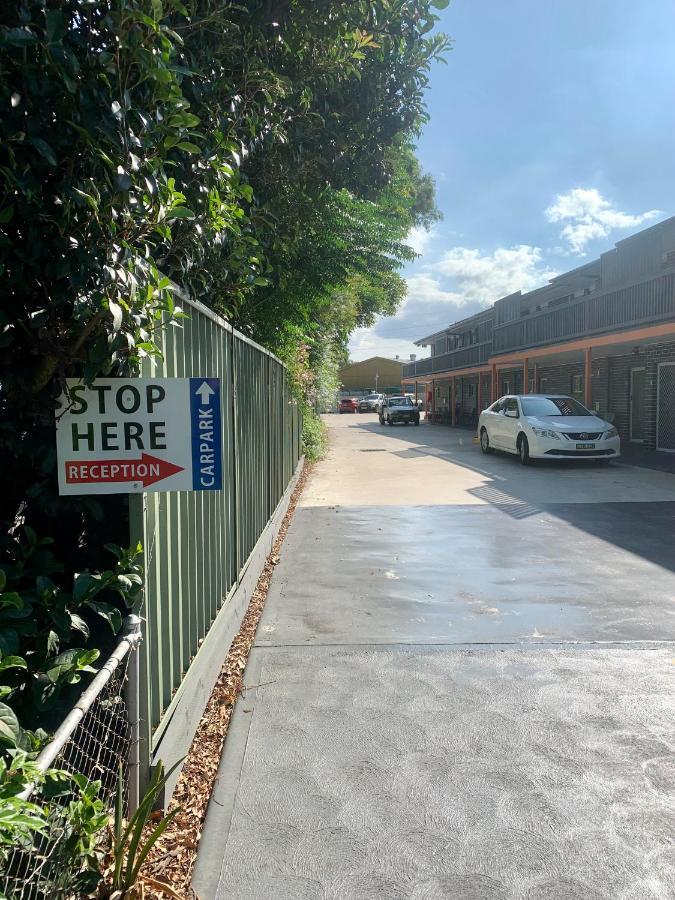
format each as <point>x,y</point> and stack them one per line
<point>646,232</point>
<point>454,326</point>
<point>362,362</point>
<point>584,273</point>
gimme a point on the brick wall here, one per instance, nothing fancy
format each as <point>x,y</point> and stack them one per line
<point>611,378</point>
<point>611,385</point>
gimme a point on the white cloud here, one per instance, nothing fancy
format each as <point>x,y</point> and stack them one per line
<point>463,281</point>
<point>419,239</point>
<point>365,342</point>
<point>589,217</point>
<point>424,288</point>
<point>484,278</point>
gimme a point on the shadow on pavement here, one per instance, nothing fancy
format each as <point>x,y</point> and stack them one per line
<point>646,529</point>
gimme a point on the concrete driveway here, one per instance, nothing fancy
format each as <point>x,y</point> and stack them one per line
<point>461,686</point>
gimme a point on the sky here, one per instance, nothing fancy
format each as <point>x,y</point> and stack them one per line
<point>551,137</point>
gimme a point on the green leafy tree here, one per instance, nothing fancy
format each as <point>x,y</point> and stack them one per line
<point>261,155</point>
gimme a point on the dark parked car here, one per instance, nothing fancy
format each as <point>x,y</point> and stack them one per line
<point>348,405</point>
<point>399,409</point>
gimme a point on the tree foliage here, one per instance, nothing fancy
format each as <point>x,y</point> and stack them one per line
<point>259,155</point>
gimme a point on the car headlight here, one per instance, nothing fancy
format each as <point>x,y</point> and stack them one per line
<point>612,433</point>
<point>546,432</point>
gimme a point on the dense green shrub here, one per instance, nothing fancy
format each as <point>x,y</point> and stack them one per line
<point>46,628</point>
<point>314,438</point>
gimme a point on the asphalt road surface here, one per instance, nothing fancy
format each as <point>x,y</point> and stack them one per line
<point>465,674</point>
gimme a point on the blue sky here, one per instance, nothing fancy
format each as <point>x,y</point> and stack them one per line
<point>552,135</point>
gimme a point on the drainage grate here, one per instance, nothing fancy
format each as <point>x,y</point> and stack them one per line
<point>373,450</point>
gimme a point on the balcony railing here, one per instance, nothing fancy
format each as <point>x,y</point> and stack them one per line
<point>640,304</point>
<point>474,355</point>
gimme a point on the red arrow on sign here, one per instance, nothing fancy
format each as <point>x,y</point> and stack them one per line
<point>148,469</point>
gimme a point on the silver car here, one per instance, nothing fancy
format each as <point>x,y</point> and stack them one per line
<point>370,403</point>
<point>547,426</point>
<point>399,409</point>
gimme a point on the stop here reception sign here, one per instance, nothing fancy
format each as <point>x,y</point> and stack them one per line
<point>119,436</point>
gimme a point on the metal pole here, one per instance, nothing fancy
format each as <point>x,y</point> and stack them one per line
<point>65,730</point>
<point>588,383</point>
<point>143,661</point>
<point>132,628</point>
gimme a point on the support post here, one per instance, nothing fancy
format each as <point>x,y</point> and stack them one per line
<point>479,397</point>
<point>132,628</point>
<point>493,385</point>
<point>433,401</point>
<point>526,376</point>
<point>536,378</point>
<point>453,402</point>
<point>142,737</point>
<point>588,386</point>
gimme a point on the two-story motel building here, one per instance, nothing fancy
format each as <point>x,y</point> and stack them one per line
<point>603,333</point>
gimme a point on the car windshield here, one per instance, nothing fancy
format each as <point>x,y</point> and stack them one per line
<point>400,401</point>
<point>553,406</point>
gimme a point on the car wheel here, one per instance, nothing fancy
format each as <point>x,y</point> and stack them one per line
<point>389,422</point>
<point>523,450</point>
<point>485,441</point>
<point>381,421</point>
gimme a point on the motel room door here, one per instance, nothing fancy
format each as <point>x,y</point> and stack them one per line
<point>665,407</point>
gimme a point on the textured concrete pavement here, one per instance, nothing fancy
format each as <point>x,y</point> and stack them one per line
<point>461,687</point>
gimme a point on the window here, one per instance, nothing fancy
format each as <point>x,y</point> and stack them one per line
<point>511,406</point>
<point>506,387</point>
<point>498,406</point>
<point>470,388</point>
<point>531,386</point>
<point>553,406</point>
<point>577,384</point>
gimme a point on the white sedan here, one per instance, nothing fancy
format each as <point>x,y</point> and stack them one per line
<point>543,426</point>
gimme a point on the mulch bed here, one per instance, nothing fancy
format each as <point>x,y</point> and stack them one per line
<point>173,857</point>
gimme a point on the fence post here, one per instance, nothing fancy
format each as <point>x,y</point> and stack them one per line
<point>235,467</point>
<point>270,493</point>
<point>132,626</point>
<point>142,723</point>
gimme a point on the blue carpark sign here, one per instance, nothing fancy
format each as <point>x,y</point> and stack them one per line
<point>207,462</point>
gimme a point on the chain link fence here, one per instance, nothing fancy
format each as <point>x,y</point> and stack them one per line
<point>95,738</point>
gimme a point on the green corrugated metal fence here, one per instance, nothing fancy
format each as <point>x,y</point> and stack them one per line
<point>197,544</point>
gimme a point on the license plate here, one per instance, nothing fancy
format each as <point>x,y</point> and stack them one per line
<point>585,446</point>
